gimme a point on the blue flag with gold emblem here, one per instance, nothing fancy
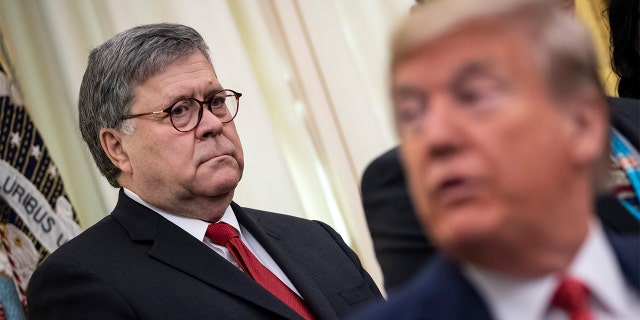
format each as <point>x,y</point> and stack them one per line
<point>36,216</point>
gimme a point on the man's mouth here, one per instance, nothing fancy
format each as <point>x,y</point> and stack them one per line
<point>455,190</point>
<point>216,156</point>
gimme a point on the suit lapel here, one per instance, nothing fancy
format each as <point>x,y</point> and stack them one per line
<point>271,241</point>
<point>175,247</point>
<point>448,294</point>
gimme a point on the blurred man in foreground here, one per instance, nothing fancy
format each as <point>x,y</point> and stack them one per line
<point>503,127</point>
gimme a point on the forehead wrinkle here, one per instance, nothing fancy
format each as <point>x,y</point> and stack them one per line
<point>190,90</point>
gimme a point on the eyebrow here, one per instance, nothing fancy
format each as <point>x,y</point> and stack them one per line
<point>472,69</point>
<point>404,90</point>
<point>182,96</point>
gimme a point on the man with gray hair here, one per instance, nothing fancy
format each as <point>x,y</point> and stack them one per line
<point>503,129</point>
<point>160,126</point>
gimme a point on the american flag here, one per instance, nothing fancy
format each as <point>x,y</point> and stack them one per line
<point>36,216</point>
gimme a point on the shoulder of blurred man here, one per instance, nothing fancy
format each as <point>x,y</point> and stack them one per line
<point>442,291</point>
<point>438,291</point>
<point>133,261</point>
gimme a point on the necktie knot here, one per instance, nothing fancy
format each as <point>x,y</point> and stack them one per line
<point>572,296</point>
<point>221,233</point>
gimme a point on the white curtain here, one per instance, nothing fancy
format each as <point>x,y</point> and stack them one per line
<point>314,110</point>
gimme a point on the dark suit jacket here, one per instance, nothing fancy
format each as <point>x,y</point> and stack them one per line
<point>400,245</point>
<point>134,264</point>
<point>625,116</point>
<point>441,291</point>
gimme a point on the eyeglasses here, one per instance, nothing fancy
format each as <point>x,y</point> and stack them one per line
<point>185,114</point>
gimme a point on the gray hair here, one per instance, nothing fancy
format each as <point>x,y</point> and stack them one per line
<point>114,70</point>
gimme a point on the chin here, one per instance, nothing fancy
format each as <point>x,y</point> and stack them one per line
<point>216,186</point>
<point>465,231</point>
<point>223,187</point>
<point>463,245</point>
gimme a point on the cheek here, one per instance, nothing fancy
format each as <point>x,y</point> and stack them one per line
<point>170,153</point>
<point>234,138</point>
<point>526,161</point>
<point>412,153</point>
<point>412,164</point>
<point>237,145</point>
<point>415,165</point>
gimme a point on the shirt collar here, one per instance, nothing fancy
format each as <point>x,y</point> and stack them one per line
<point>510,297</point>
<point>195,227</point>
<point>518,298</point>
<point>597,265</point>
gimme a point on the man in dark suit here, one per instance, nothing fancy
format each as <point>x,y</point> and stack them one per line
<point>503,127</point>
<point>176,246</point>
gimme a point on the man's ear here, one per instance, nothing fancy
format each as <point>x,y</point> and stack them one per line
<point>111,141</point>
<point>589,127</point>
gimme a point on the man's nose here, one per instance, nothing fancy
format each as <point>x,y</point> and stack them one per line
<point>210,123</point>
<point>443,130</point>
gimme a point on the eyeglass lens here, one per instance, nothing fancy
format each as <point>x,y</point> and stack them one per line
<point>187,113</point>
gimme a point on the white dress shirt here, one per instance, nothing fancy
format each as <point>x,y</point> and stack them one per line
<point>529,299</point>
<point>197,228</point>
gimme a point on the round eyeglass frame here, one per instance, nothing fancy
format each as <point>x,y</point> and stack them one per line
<point>200,112</point>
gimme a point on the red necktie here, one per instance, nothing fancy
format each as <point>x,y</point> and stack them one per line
<point>226,235</point>
<point>572,296</point>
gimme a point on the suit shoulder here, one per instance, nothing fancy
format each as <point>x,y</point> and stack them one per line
<point>274,216</point>
<point>388,158</point>
<point>625,117</point>
<point>627,250</point>
<point>93,234</point>
<point>283,226</point>
<point>102,237</point>
<point>382,167</point>
<point>624,104</point>
<point>416,300</point>
<point>438,291</point>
